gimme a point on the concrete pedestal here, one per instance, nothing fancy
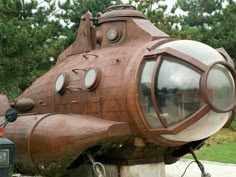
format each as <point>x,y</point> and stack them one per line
<point>144,170</point>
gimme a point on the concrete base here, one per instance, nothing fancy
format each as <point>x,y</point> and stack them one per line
<point>144,170</point>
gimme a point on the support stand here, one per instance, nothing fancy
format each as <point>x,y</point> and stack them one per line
<point>144,170</point>
<point>200,165</point>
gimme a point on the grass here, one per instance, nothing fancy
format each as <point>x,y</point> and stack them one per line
<point>225,153</point>
<point>221,147</point>
<point>233,125</point>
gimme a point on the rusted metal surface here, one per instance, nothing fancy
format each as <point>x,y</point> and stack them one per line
<point>226,55</point>
<point>24,104</point>
<point>4,104</point>
<point>122,12</point>
<point>85,40</point>
<point>90,99</point>
<point>59,138</point>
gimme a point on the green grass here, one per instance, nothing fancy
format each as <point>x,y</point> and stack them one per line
<point>233,125</point>
<point>225,153</point>
<point>221,147</point>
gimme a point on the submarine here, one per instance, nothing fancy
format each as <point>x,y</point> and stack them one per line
<point>124,92</point>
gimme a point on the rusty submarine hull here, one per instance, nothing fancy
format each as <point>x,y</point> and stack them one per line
<point>126,92</point>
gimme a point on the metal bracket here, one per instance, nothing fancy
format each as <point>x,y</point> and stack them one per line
<point>200,165</point>
<point>73,89</point>
<point>78,69</point>
<point>86,56</point>
<point>98,167</point>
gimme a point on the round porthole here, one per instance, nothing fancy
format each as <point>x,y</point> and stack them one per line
<point>92,78</point>
<point>61,83</point>
<point>218,87</point>
<point>113,35</point>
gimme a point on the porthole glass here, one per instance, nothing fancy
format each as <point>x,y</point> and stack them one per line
<point>220,87</point>
<point>202,52</point>
<point>60,83</point>
<point>113,35</point>
<point>92,78</point>
<point>145,96</point>
<point>177,90</point>
<point>203,128</point>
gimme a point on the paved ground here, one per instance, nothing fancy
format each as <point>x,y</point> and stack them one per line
<point>215,169</point>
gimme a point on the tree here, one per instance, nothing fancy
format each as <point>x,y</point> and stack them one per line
<point>223,32</point>
<point>72,10</point>
<point>210,22</point>
<point>156,11</point>
<point>28,39</point>
<point>32,35</point>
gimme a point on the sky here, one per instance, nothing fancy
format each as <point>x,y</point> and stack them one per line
<point>170,3</point>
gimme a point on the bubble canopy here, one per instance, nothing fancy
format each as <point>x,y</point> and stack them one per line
<point>182,84</point>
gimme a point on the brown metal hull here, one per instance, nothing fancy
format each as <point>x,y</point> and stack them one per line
<point>4,104</point>
<point>53,141</point>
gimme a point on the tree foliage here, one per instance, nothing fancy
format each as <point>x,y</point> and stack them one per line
<point>155,10</point>
<point>210,21</point>
<point>72,10</point>
<point>32,34</point>
<point>223,32</point>
<point>28,40</point>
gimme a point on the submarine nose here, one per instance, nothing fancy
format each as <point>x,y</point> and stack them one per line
<point>190,88</point>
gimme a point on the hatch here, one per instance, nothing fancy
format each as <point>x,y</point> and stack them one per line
<point>120,12</point>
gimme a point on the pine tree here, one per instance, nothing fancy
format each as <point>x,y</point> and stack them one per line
<point>209,21</point>
<point>28,39</point>
<point>72,10</point>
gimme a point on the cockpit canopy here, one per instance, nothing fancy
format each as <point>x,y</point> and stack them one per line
<point>186,89</point>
